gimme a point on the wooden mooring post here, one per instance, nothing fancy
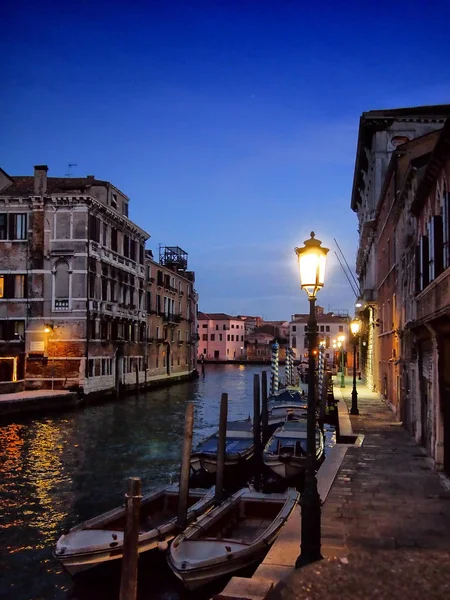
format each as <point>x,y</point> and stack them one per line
<point>264,411</point>
<point>185,467</point>
<point>137,379</point>
<point>221,445</point>
<point>129,574</point>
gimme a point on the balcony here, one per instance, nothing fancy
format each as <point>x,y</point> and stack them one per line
<point>434,300</point>
<point>161,340</point>
<point>61,304</point>
<point>171,318</point>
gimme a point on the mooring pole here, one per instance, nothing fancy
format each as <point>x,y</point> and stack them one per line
<point>264,411</point>
<point>137,379</point>
<point>185,467</point>
<point>221,446</point>
<point>256,418</point>
<point>128,579</point>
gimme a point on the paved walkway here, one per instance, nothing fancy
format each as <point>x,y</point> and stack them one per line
<point>386,505</point>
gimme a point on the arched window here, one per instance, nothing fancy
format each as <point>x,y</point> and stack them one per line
<point>445,213</point>
<point>61,288</point>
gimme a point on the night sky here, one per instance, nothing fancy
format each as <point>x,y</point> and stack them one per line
<point>232,126</point>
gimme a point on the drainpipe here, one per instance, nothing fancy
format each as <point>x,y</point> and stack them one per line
<point>88,313</point>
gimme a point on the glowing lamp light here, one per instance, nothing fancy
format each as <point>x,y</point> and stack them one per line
<point>47,330</point>
<point>311,262</point>
<point>355,326</point>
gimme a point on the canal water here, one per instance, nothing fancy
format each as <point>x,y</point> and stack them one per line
<point>60,469</point>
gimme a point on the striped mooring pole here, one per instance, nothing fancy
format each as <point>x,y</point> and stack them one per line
<point>291,367</point>
<point>320,369</point>
<point>287,367</point>
<point>274,367</point>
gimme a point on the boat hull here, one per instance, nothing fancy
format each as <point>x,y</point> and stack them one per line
<point>205,553</point>
<point>92,543</point>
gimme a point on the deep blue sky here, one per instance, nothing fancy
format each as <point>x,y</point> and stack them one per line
<point>232,126</point>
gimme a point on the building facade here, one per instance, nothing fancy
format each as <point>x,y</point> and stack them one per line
<point>329,327</point>
<point>380,133</point>
<point>221,337</point>
<point>72,285</point>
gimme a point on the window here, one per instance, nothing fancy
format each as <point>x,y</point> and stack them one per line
<point>327,328</point>
<point>217,327</point>
<point>114,239</point>
<point>322,328</point>
<point>294,327</point>
<point>13,226</point>
<point>242,338</point>
<point>3,227</point>
<point>19,286</point>
<point>125,208</point>
<point>341,328</point>
<point>213,337</point>
<point>327,341</point>
<point>205,337</point>
<point>126,246</point>
<point>294,342</point>
<point>220,337</point>
<point>114,200</point>
<point>224,327</point>
<point>232,338</point>
<point>305,342</point>
<point>205,326</point>
<point>228,337</point>
<point>105,233</point>
<point>232,326</point>
<point>61,285</point>
<point>306,327</point>
<point>445,213</point>
<point>18,226</point>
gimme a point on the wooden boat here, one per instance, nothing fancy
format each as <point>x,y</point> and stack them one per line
<point>100,540</point>
<point>238,448</point>
<point>286,451</point>
<point>231,536</point>
<point>287,405</point>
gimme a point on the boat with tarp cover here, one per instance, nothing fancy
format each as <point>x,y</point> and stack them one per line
<point>238,448</point>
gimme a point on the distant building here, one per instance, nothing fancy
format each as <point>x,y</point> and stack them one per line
<point>250,323</point>
<point>329,327</point>
<point>221,336</point>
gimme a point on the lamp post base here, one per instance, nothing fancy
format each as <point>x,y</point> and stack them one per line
<point>311,506</point>
<point>354,409</point>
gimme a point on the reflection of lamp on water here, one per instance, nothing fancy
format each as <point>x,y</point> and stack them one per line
<point>50,328</point>
<point>311,261</point>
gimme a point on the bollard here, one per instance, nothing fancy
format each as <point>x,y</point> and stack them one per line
<point>128,578</point>
<point>256,417</point>
<point>185,467</point>
<point>264,411</point>
<point>137,379</point>
<point>221,446</point>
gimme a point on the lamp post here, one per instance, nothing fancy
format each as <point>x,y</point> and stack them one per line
<point>311,260</point>
<point>355,326</point>
<point>341,340</point>
<point>334,353</point>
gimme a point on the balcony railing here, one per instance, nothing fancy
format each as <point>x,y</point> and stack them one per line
<point>62,304</point>
<point>171,318</point>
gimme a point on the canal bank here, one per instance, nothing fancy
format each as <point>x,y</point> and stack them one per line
<point>28,402</point>
<point>386,507</point>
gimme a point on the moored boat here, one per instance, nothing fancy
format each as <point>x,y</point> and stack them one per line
<point>287,405</point>
<point>100,539</point>
<point>286,451</point>
<point>235,534</point>
<point>238,448</point>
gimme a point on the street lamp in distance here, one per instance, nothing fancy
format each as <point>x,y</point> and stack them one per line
<point>355,327</point>
<point>311,261</point>
<point>341,340</point>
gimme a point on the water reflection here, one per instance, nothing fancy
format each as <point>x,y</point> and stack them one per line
<point>59,470</point>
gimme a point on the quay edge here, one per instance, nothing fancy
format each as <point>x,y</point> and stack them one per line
<point>30,402</point>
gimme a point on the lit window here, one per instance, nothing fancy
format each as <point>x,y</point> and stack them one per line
<point>2,286</point>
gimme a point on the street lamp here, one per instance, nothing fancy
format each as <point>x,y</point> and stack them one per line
<point>311,261</point>
<point>355,326</point>
<point>341,340</point>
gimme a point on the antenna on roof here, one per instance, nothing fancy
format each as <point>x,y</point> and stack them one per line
<point>70,165</point>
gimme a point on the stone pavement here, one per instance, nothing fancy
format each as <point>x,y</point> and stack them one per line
<point>386,496</point>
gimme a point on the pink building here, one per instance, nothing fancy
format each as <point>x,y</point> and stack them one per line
<point>221,336</point>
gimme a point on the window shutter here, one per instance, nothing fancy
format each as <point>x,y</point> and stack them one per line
<point>9,286</point>
<point>12,225</point>
<point>425,262</point>
<point>418,273</point>
<point>438,243</point>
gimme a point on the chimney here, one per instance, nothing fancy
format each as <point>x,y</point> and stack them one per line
<point>90,176</point>
<point>40,180</point>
